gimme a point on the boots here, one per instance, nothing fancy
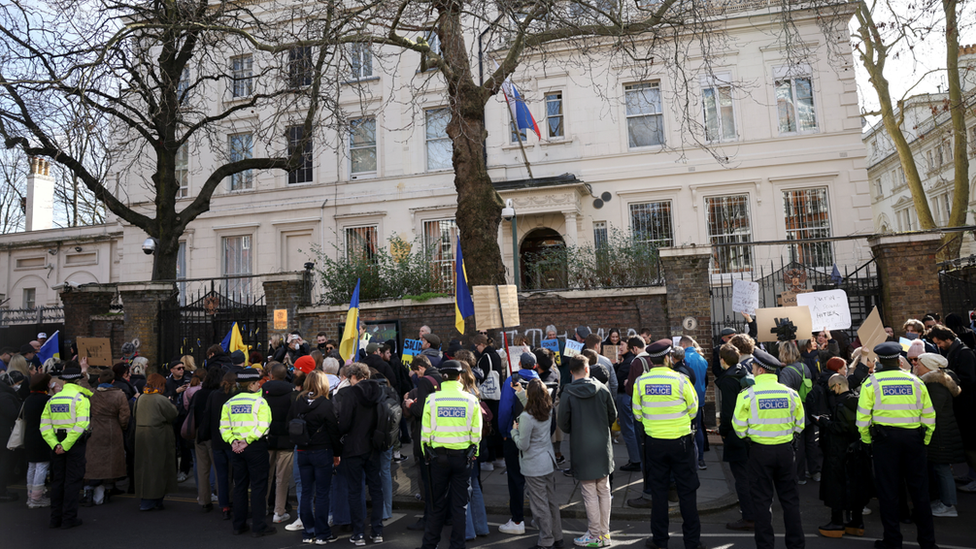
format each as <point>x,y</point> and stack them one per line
<point>35,497</point>
<point>832,530</point>
<point>87,499</point>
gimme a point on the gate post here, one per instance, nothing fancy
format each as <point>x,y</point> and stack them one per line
<point>284,291</point>
<point>80,303</point>
<point>909,276</point>
<point>141,303</point>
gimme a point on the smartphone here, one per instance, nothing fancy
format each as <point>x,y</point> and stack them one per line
<point>516,378</point>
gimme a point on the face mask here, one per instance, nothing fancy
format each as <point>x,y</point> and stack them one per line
<point>911,335</point>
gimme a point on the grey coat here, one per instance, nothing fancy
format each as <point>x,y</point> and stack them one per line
<point>586,413</point>
<point>536,458</point>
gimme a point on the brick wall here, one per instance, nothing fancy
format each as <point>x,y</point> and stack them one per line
<point>141,303</point>
<point>909,276</point>
<point>80,304</point>
<point>284,291</point>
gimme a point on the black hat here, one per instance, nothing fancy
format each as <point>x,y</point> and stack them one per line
<point>248,374</point>
<point>27,348</point>
<point>766,360</point>
<point>434,341</point>
<point>450,366</point>
<point>582,331</point>
<point>237,357</point>
<point>659,348</point>
<point>728,332</point>
<point>888,350</point>
<point>70,373</point>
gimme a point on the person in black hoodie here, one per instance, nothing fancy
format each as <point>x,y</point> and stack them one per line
<point>10,405</point>
<point>221,450</point>
<point>375,360</point>
<point>735,377</point>
<point>280,395</point>
<point>318,457</point>
<point>38,453</point>
<point>217,357</point>
<point>357,421</point>
<point>428,380</point>
<point>204,446</point>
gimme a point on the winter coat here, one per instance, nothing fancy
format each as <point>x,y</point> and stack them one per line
<point>426,385</point>
<point>209,427</point>
<point>623,371</point>
<point>509,406</point>
<point>946,445</point>
<point>846,474</point>
<point>105,452</point>
<point>533,439</point>
<point>199,406</point>
<point>730,384</point>
<point>962,362</point>
<point>127,388</point>
<point>9,410</point>
<point>35,447</point>
<point>222,360</point>
<point>699,366</point>
<point>792,375</point>
<point>383,367</point>
<point>320,422</point>
<point>357,416</point>
<point>280,395</point>
<point>611,382</point>
<point>586,412</point>
<point>489,360</point>
<point>155,454</point>
<point>434,356</point>
<point>812,360</point>
<point>138,381</point>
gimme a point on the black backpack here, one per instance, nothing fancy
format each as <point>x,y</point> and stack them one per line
<point>388,414</point>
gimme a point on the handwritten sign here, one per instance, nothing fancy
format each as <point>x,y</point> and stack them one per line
<point>788,299</point>
<point>97,349</point>
<point>553,345</point>
<point>745,296</point>
<point>487,300</point>
<point>829,310</point>
<point>871,333</point>
<point>411,348</point>
<point>573,348</point>
<point>766,321</point>
<point>281,319</point>
<point>610,351</point>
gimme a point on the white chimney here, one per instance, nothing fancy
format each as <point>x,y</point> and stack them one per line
<point>40,196</point>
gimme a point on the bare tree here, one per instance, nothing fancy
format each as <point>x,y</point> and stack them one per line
<point>13,174</point>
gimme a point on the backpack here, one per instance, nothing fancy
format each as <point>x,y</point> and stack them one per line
<point>806,385</point>
<point>298,431</point>
<point>388,414</point>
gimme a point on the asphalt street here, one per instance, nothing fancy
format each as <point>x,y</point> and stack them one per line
<point>119,524</point>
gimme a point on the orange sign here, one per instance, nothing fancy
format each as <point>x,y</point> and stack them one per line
<point>281,319</point>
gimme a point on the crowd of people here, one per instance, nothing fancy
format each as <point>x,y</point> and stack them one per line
<point>887,422</point>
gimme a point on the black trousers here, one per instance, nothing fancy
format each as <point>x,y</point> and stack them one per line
<point>516,482</point>
<point>449,476</point>
<point>899,457</point>
<point>355,467</point>
<point>676,459</point>
<point>774,467</point>
<point>740,472</point>
<point>251,469</point>
<point>67,479</point>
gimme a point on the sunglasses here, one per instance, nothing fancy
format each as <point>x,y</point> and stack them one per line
<point>179,368</point>
<point>330,348</point>
<point>913,359</point>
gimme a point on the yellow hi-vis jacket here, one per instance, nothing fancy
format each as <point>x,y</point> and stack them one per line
<point>894,398</point>
<point>665,402</point>
<point>452,419</point>
<point>246,417</point>
<point>768,412</point>
<point>67,410</point>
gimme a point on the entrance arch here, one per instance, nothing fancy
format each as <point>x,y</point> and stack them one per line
<point>542,260</point>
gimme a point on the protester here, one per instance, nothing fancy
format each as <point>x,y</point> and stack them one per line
<point>203,442</point>
<point>37,452</point>
<point>796,375</point>
<point>10,403</point>
<point>209,430</point>
<point>625,412</point>
<point>594,342</point>
<point>137,372</point>
<point>946,446</point>
<point>431,348</point>
<point>962,362</point>
<point>279,395</point>
<point>428,381</point>
<point>105,454</point>
<point>509,408</point>
<point>696,361</point>
<point>476,517</point>
<point>735,451</point>
<point>537,461</point>
<point>155,460</point>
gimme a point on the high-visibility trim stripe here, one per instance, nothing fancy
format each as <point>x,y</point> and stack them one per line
<point>658,404</point>
<point>453,429</point>
<point>769,434</point>
<point>773,421</point>
<point>928,420</point>
<point>863,423</point>
<point>864,411</point>
<point>897,420</point>
<point>665,417</point>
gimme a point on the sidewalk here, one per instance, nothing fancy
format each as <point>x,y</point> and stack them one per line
<point>715,494</point>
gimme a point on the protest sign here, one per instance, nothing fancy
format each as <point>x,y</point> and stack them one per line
<point>411,348</point>
<point>766,321</point>
<point>573,348</point>
<point>829,310</point>
<point>871,333</point>
<point>552,345</point>
<point>486,305</point>
<point>97,349</point>
<point>612,352</point>
<point>745,296</point>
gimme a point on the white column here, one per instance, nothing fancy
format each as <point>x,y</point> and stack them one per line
<point>572,234</point>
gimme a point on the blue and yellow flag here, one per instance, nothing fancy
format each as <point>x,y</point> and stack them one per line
<point>50,349</point>
<point>349,346</point>
<point>233,341</point>
<point>463,305</point>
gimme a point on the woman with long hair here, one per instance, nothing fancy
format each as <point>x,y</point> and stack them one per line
<point>476,516</point>
<point>220,449</point>
<point>155,461</point>
<point>538,461</point>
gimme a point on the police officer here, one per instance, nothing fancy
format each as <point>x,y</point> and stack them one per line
<point>665,403</point>
<point>770,414</point>
<point>244,423</point>
<point>64,427</point>
<point>450,435</point>
<point>895,416</point>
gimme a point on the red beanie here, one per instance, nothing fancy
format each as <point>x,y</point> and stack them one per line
<point>305,363</point>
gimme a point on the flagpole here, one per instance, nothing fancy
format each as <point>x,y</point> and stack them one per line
<point>518,134</point>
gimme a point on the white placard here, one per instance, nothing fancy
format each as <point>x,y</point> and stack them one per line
<point>829,310</point>
<point>675,341</point>
<point>745,296</point>
<point>573,348</point>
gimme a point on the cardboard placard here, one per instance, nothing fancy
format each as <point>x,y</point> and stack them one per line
<point>871,333</point>
<point>412,347</point>
<point>553,346</point>
<point>766,320</point>
<point>281,319</point>
<point>788,299</point>
<point>829,310</point>
<point>745,296</point>
<point>97,349</point>
<point>612,352</point>
<point>573,348</point>
<point>486,314</point>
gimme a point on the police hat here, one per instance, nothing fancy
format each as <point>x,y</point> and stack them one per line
<point>766,360</point>
<point>659,348</point>
<point>71,372</point>
<point>450,366</point>
<point>888,350</point>
<point>248,374</point>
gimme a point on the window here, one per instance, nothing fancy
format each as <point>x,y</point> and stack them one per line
<point>807,216</point>
<point>644,118</point>
<point>439,147</point>
<point>181,271</point>
<point>362,145</point>
<point>360,61</point>
<point>879,188</point>
<point>651,222</point>
<point>941,207</point>
<point>719,116</point>
<point>243,75</point>
<point>183,85</point>
<point>434,43</point>
<point>296,138</point>
<point>237,261</point>
<point>905,219</point>
<point>30,298</point>
<point>554,114</point>
<point>794,102</point>
<point>361,243</point>
<point>183,172</point>
<point>300,67</point>
<point>600,236</point>
<point>439,240</point>
<point>517,135</point>
<point>728,223</point>
<point>241,148</point>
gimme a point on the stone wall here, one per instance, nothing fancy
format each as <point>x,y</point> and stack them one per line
<point>909,276</point>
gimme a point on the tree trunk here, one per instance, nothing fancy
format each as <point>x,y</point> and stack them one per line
<point>960,158</point>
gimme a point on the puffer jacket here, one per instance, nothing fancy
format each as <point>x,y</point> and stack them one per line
<point>946,445</point>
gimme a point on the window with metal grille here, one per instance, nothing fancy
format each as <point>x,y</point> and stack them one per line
<point>300,67</point>
<point>439,240</point>
<point>439,147</point>
<point>296,139</point>
<point>241,148</point>
<point>243,75</point>
<point>181,271</point>
<point>361,243</point>
<point>645,125</point>
<point>182,172</point>
<point>728,223</point>
<point>807,216</point>
<point>237,261</point>
<point>360,61</point>
<point>794,103</point>
<point>362,145</point>
<point>600,237</point>
<point>719,114</point>
<point>651,222</point>
<point>554,114</point>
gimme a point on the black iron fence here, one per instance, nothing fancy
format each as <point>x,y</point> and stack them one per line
<point>36,315</point>
<point>957,284</point>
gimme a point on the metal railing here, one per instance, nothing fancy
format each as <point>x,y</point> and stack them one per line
<point>37,315</point>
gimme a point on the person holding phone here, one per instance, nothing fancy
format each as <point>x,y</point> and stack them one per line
<point>509,408</point>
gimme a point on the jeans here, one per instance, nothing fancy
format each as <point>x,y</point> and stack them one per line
<point>356,466</point>
<point>476,519</point>
<point>625,419</point>
<point>945,483</point>
<point>386,482</point>
<point>297,477</point>
<point>221,459</point>
<point>315,470</point>
<point>341,492</point>
<point>516,482</point>
<point>700,434</point>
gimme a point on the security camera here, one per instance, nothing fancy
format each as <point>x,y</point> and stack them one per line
<point>149,246</point>
<point>508,212</point>
<point>77,248</point>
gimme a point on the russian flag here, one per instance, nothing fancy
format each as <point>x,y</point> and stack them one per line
<point>520,113</point>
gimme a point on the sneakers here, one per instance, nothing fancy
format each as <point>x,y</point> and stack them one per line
<point>278,519</point>
<point>358,540</point>
<point>487,466</point>
<point>586,540</point>
<point>181,477</point>
<point>308,540</point>
<point>213,497</point>
<point>295,526</point>
<point>630,466</point>
<point>802,481</point>
<point>606,541</point>
<point>940,509</point>
<point>512,527</point>
<point>831,530</point>
<point>701,465</point>
<point>400,458</point>
<point>968,488</point>
<point>816,477</point>
<point>378,538</point>
<point>326,541</point>
<point>560,459</point>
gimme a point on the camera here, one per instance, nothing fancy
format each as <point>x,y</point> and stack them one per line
<point>149,246</point>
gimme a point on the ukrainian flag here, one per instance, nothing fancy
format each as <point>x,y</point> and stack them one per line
<point>50,349</point>
<point>463,304</point>
<point>233,341</point>
<point>349,346</point>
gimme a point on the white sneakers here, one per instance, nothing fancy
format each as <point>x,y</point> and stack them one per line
<point>295,526</point>
<point>940,509</point>
<point>280,518</point>
<point>512,527</point>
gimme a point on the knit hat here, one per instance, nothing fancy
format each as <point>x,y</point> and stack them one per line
<point>305,364</point>
<point>237,357</point>
<point>916,348</point>
<point>835,364</point>
<point>933,361</point>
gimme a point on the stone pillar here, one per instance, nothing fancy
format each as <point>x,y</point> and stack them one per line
<point>572,231</point>
<point>284,291</point>
<point>909,276</point>
<point>141,302</point>
<point>80,303</point>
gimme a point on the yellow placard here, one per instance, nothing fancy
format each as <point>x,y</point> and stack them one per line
<point>281,319</point>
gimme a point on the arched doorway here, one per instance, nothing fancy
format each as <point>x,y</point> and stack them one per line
<point>542,260</point>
